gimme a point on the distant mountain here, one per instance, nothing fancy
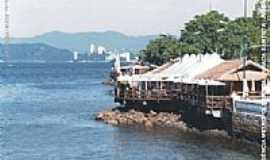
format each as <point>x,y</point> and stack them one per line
<point>36,52</point>
<point>81,41</point>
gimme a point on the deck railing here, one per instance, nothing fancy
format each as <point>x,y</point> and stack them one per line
<point>192,98</point>
<point>147,95</point>
<point>219,102</point>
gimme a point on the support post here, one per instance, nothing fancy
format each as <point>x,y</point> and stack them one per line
<point>264,27</point>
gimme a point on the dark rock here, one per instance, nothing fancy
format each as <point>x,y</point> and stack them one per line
<point>99,117</point>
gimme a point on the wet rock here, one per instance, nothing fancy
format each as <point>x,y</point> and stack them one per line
<point>130,121</point>
<point>148,120</point>
<point>113,122</point>
<point>249,126</point>
<point>99,117</point>
<point>153,113</point>
<point>132,111</point>
<point>148,124</point>
<point>123,121</point>
<point>182,126</point>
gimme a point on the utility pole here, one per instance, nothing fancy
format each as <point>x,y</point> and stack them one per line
<point>264,112</point>
<point>210,6</point>
<point>244,52</point>
<point>264,28</point>
<point>245,8</point>
<point>7,36</point>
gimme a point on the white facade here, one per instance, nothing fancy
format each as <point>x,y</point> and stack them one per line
<point>92,49</point>
<point>101,50</point>
<point>126,55</point>
<point>75,56</point>
<point>183,70</point>
<point>112,56</point>
<point>187,68</point>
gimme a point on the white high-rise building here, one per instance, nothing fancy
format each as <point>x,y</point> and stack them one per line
<point>101,50</point>
<point>75,56</point>
<point>92,49</point>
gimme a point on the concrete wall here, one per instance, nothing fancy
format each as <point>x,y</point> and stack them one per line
<point>248,126</point>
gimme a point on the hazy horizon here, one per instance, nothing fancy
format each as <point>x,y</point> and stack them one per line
<point>40,34</point>
<point>30,18</point>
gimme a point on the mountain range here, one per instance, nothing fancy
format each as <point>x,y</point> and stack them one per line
<point>59,46</point>
<point>81,41</point>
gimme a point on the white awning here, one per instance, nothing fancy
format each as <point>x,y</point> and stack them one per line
<point>184,70</point>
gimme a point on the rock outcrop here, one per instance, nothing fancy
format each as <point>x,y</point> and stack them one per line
<point>148,120</point>
<point>245,127</point>
<point>117,117</point>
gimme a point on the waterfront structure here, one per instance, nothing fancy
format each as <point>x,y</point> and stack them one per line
<point>125,56</point>
<point>205,83</point>
<point>250,116</point>
<point>127,70</point>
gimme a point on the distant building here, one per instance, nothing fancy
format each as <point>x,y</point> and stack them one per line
<point>96,53</point>
<point>92,49</point>
<point>126,56</point>
<point>75,56</point>
<point>101,50</point>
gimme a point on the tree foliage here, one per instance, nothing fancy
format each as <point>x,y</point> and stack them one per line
<point>205,32</point>
<point>161,50</point>
<point>212,32</point>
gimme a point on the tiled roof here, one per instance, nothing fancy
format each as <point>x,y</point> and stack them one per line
<point>231,71</point>
<point>216,72</point>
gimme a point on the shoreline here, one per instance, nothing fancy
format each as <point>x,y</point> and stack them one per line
<point>119,116</point>
<point>128,117</point>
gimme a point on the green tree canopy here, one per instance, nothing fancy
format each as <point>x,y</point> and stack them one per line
<point>237,31</point>
<point>204,32</point>
<point>161,50</point>
<point>209,33</point>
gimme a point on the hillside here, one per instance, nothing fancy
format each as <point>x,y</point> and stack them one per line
<point>81,41</point>
<point>36,52</point>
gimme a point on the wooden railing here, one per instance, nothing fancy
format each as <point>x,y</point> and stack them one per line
<point>147,95</point>
<point>219,102</point>
<point>192,98</point>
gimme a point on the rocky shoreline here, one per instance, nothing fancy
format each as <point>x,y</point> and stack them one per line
<point>122,117</point>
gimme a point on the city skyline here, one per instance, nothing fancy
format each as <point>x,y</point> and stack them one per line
<point>34,17</point>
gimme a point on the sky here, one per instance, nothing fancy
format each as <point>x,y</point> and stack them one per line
<point>133,17</point>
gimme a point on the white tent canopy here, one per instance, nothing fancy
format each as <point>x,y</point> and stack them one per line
<point>184,69</point>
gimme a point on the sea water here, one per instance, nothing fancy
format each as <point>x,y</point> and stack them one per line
<point>46,113</point>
